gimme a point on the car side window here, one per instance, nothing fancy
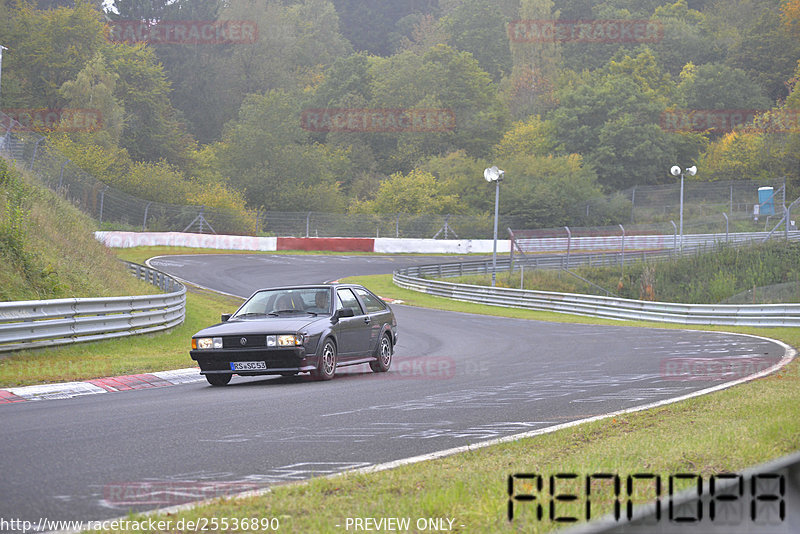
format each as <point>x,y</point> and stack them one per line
<point>373,303</point>
<point>346,299</point>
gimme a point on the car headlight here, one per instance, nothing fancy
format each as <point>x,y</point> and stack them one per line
<point>290,340</point>
<point>205,343</point>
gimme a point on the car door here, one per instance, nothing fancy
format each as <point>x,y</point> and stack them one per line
<point>354,332</point>
<point>378,314</point>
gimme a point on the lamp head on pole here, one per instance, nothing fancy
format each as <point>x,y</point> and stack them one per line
<point>493,174</point>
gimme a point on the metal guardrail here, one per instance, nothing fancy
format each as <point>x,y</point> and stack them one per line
<point>589,305</point>
<point>43,323</point>
<point>608,307</point>
<point>635,243</point>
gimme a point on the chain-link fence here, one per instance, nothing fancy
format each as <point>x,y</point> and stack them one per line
<point>702,200</point>
<point>709,207</point>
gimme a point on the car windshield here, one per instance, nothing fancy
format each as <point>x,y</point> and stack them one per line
<point>276,302</point>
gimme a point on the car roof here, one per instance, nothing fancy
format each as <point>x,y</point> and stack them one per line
<point>310,286</point>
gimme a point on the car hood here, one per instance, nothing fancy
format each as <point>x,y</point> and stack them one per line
<point>269,325</point>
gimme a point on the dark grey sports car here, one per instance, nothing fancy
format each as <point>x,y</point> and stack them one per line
<point>304,329</point>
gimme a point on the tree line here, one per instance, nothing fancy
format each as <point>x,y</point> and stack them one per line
<point>571,121</point>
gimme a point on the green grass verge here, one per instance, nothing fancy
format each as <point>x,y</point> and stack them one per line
<point>722,432</point>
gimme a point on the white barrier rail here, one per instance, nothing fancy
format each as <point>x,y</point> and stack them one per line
<point>595,306</point>
<point>637,242</point>
<point>42,323</point>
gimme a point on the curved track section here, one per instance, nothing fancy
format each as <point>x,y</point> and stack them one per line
<point>457,379</point>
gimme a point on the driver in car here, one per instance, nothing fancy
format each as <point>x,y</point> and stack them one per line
<point>320,302</point>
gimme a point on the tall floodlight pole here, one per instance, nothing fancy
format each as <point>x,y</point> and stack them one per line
<point>493,174</point>
<point>675,171</point>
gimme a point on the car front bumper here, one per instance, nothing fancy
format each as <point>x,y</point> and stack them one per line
<point>283,360</point>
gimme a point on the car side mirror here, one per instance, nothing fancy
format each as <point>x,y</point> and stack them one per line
<point>345,312</point>
<point>225,317</point>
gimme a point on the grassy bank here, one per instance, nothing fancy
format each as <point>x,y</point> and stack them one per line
<point>48,250</point>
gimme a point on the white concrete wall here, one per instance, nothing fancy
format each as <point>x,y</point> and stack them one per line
<point>390,245</point>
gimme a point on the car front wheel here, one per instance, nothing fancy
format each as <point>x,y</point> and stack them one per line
<point>384,361</point>
<point>219,379</point>
<point>326,367</point>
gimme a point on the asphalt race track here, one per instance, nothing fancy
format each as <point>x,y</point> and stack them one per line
<point>456,379</point>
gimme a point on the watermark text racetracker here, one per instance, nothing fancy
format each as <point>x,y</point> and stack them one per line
<point>184,32</point>
<point>726,120</point>
<point>424,368</point>
<point>52,119</point>
<point>716,369</point>
<point>377,120</point>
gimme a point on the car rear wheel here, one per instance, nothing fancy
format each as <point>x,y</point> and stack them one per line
<point>384,361</point>
<point>219,379</point>
<point>326,367</point>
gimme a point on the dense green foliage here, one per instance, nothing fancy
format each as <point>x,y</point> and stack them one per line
<point>569,120</point>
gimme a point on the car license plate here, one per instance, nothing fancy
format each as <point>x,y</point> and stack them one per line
<point>248,366</point>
